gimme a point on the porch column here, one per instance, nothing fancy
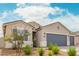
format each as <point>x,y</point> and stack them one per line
<point>68,40</point>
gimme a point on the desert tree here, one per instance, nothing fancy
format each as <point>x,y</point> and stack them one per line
<point>17,40</point>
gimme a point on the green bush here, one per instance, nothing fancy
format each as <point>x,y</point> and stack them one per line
<point>50,47</point>
<point>71,51</point>
<point>50,53</point>
<point>27,50</point>
<point>41,51</point>
<point>55,49</point>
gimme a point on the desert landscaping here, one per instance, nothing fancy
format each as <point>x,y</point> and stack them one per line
<point>35,52</point>
<point>10,52</point>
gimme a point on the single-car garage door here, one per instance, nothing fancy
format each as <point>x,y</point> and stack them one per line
<point>60,40</point>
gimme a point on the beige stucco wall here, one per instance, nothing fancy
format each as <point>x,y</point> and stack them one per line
<point>53,29</point>
<point>19,25</point>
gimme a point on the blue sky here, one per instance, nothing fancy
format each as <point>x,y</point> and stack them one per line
<point>7,6</point>
<point>66,13</point>
<point>72,7</point>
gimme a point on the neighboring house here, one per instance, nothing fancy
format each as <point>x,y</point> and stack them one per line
<point>42,36</point>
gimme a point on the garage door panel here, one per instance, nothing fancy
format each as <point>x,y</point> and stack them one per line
<point>60,40</point>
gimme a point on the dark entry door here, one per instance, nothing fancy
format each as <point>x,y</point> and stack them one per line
<point>34,39</point>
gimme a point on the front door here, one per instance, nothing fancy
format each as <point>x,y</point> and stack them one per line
<point>34,39</point>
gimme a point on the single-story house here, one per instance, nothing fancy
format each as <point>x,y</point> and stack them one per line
<point>42,36</point>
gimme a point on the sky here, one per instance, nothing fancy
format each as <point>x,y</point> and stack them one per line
<point>42,13</point>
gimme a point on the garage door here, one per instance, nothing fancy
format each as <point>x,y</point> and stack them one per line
<point>60,40</point>
<point>71,40</point>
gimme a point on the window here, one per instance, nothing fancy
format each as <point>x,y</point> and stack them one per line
<point>4,30</point>
<point>21,32</point>
<point>44,34</point>
<point>14,30</point>
<point>26,37</point>
<point>58,27</point>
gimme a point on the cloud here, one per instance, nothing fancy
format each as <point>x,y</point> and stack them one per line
<point>37,12</point>
<point>32,4</point>
<point>8,16</point>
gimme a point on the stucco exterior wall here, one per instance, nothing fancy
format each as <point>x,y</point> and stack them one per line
<point>19,25</point>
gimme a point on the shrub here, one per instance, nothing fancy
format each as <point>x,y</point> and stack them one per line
<point>50,53</point>
<point>55,49</point>
<point>50,47</point>
<point>27,50</point>
<point>71,51</point>
<point>41,51</point>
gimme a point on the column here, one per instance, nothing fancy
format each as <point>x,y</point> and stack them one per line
<point>68,40</point>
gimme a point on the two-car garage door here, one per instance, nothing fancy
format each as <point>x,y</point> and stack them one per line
<point>58,39</point>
